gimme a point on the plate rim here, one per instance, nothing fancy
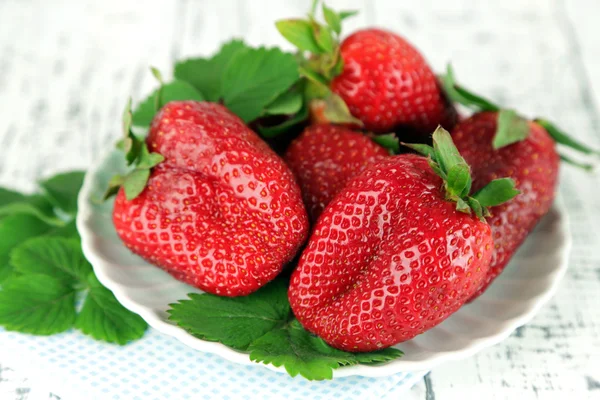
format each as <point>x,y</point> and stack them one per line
<point>400,366</point>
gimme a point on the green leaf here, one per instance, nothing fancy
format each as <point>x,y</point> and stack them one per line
<point>316,78</point>
<point>272,131</point>
<point>496,192</point>
<point>56,257</point>
<point>126,122</point>
<point>476,207</point>
<point>288,103</point>
<point>37,304</point>
<point>347,14</point>
<point>8,196</point>
<point>135,182</point>
<point>324,38</point>
<point>15,229</point>
<point>104,318</point>
<point>388,141</point>
<point>511,129</point>
<point>62,190</point>
<point>561,137</point>
<point>378,357</point>
<point>578,164</point>
<point>423,149</point>
<point>299,352</point>
<point>68,231</point>
<point>459,181</point>
<point>157,74</point>
<point>206,74</point>
<point>35,205</point>
<point>462,96</point>
<point>336,111</point>
<point>149,160</point>
<point>233,321</point>
<point>300,33</point>
<point>176,90</point>
<point>446,153</point>
<point>255,78</point>
<point>114,185</point>
<point>30,209</point>
<point>333,19</point>
<point>463,206</point>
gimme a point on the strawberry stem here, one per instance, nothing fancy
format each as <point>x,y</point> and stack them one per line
<point>561,137</point>
<point>511,127</point>
<point>448,164</point>
<point>137,155</point>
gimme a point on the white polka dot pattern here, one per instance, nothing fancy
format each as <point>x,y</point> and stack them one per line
<point>160,367</point>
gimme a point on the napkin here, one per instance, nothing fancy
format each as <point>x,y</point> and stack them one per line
<point>72,366</point>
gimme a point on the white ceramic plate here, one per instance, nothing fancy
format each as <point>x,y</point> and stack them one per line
<point>514,298</point>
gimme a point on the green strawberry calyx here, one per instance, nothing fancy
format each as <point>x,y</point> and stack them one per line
<point>448,164</point>
<point>137,156</point>
<point>511,126</point>
<point>324,62</point>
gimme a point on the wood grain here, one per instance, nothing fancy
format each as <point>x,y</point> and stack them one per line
<point>66,69</point>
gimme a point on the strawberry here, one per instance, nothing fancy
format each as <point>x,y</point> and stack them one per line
<point>533,164</point>
<point>387,84</point>
<point>325,157</point>
<point>499,142</point>
<point>373,76</point>
<point>222,212</point>
<point>397,251</point>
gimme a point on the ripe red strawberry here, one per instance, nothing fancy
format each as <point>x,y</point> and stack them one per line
<point>391,256</point>
<point>500,142</point>
<point>533,164</point>
<point>387,84</point>
<point>222,212</point>
<point>373,78</point>
<point>325,157</point>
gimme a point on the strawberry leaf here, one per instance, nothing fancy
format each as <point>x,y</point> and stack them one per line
<point>347,14</point>
<point>423,149</point>
<point>52,256</point>
<point>378,357</point>
<point>445,160</point>
<point>585,166</point>
<point>135,182</point>
<point>300,33</point>
<point>562,138</point>
<point>299,352</point>
<point>324,38</point>
<point>511,129</point>
<point>15,229</point>
<point>272,131</point>
<point>496,192</point>
<point>235,322</point>
<point>463,96</point>
<point>35,205</point>
<point>458,183</point>
<point>333,19</point>
<point>335,110</point>
<point>260,324</point>
<point>104,318</point>
<point>288,103</point>
<point>388,141</point>
<point>176,90</point>
<point>37,304</point>
<point>446,153</point>
<point>255,78</point>
<point>206,74</point>
<point>62,190</point>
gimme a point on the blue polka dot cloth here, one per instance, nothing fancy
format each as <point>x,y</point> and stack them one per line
<point>159,367</point>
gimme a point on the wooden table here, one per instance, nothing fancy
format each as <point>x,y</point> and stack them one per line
<point>67,67</point>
